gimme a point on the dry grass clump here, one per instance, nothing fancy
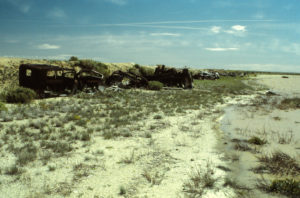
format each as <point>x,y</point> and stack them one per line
<point>288,187</point>
<point>199,180</point>
<point>257,141</point>
<point>290,103</point>
<point>154,178</point>
<point>242,146</point>
<point>234,184</point>
<point>279,163</point>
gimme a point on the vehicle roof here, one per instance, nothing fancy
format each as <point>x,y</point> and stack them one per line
<point>43,67</point>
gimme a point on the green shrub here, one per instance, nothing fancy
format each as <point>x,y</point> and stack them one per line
<point>155,85</point>
<point>13,170</point>
<point>98,66</point>
<point>135,71</point>
<point>73,58</point>
<point>146,71</point>
<point>157,117</point>
<point>280,163</point>
<point>19,95</point>
<point>85,136</point>
<point>2,107</point>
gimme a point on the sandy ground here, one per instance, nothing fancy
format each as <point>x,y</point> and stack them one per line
<point>280,128</point>
<point>286,86</point>
<point>160,165</point>
<point>145,167</point>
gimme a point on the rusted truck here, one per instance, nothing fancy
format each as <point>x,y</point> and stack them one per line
<point>57,80</point>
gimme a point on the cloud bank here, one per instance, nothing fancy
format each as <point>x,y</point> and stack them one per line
<point>47,46</point>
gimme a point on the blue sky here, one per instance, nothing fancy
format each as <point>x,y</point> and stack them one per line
<point>231,34</point>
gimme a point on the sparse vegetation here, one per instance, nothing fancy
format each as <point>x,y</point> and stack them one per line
<point>290,103</point>
<point>199,181</point>
<point>242,147</point>
<point>280,163</point>
<point>154,178</point>
<point>45,132</point>
<point>288,187</point>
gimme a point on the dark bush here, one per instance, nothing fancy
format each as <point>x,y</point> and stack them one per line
<point>257,141</point>
<point>73,58</point>
<point>292,103</point>
<point>19,95</point>
<point>155,85</point>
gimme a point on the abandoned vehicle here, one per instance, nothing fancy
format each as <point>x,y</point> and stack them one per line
<point>169,77</point>
<point>206,75</point>
<point>172,77</point>
<point>43,78</point>
<point>49,79</point>
<point>89,79</point>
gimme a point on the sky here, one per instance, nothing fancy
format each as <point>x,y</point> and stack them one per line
<point>259,35</point>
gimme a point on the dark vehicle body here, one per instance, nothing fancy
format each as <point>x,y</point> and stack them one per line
<point>170,77</point>
<point>48,78</point>
<point>89,79</point>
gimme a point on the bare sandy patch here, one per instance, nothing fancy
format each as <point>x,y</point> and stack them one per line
<point>262,132</point>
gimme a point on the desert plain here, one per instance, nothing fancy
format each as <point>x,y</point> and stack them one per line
<point>224,138</point>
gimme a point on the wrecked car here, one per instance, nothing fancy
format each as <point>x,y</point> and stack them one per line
<point>126,80</point>
<point>89,79</point>
<point>43,78</point>
<point>49,80</point>
<point>172,77</point>
<point>206,75</point>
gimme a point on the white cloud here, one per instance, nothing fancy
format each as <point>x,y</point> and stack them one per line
<point>47,46</point>
<point>57,13</point>
<point>215,29</point>
<point>219,49</point>
<point>239,28</point>
<point>118,2</point>
<point>165,34</point>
